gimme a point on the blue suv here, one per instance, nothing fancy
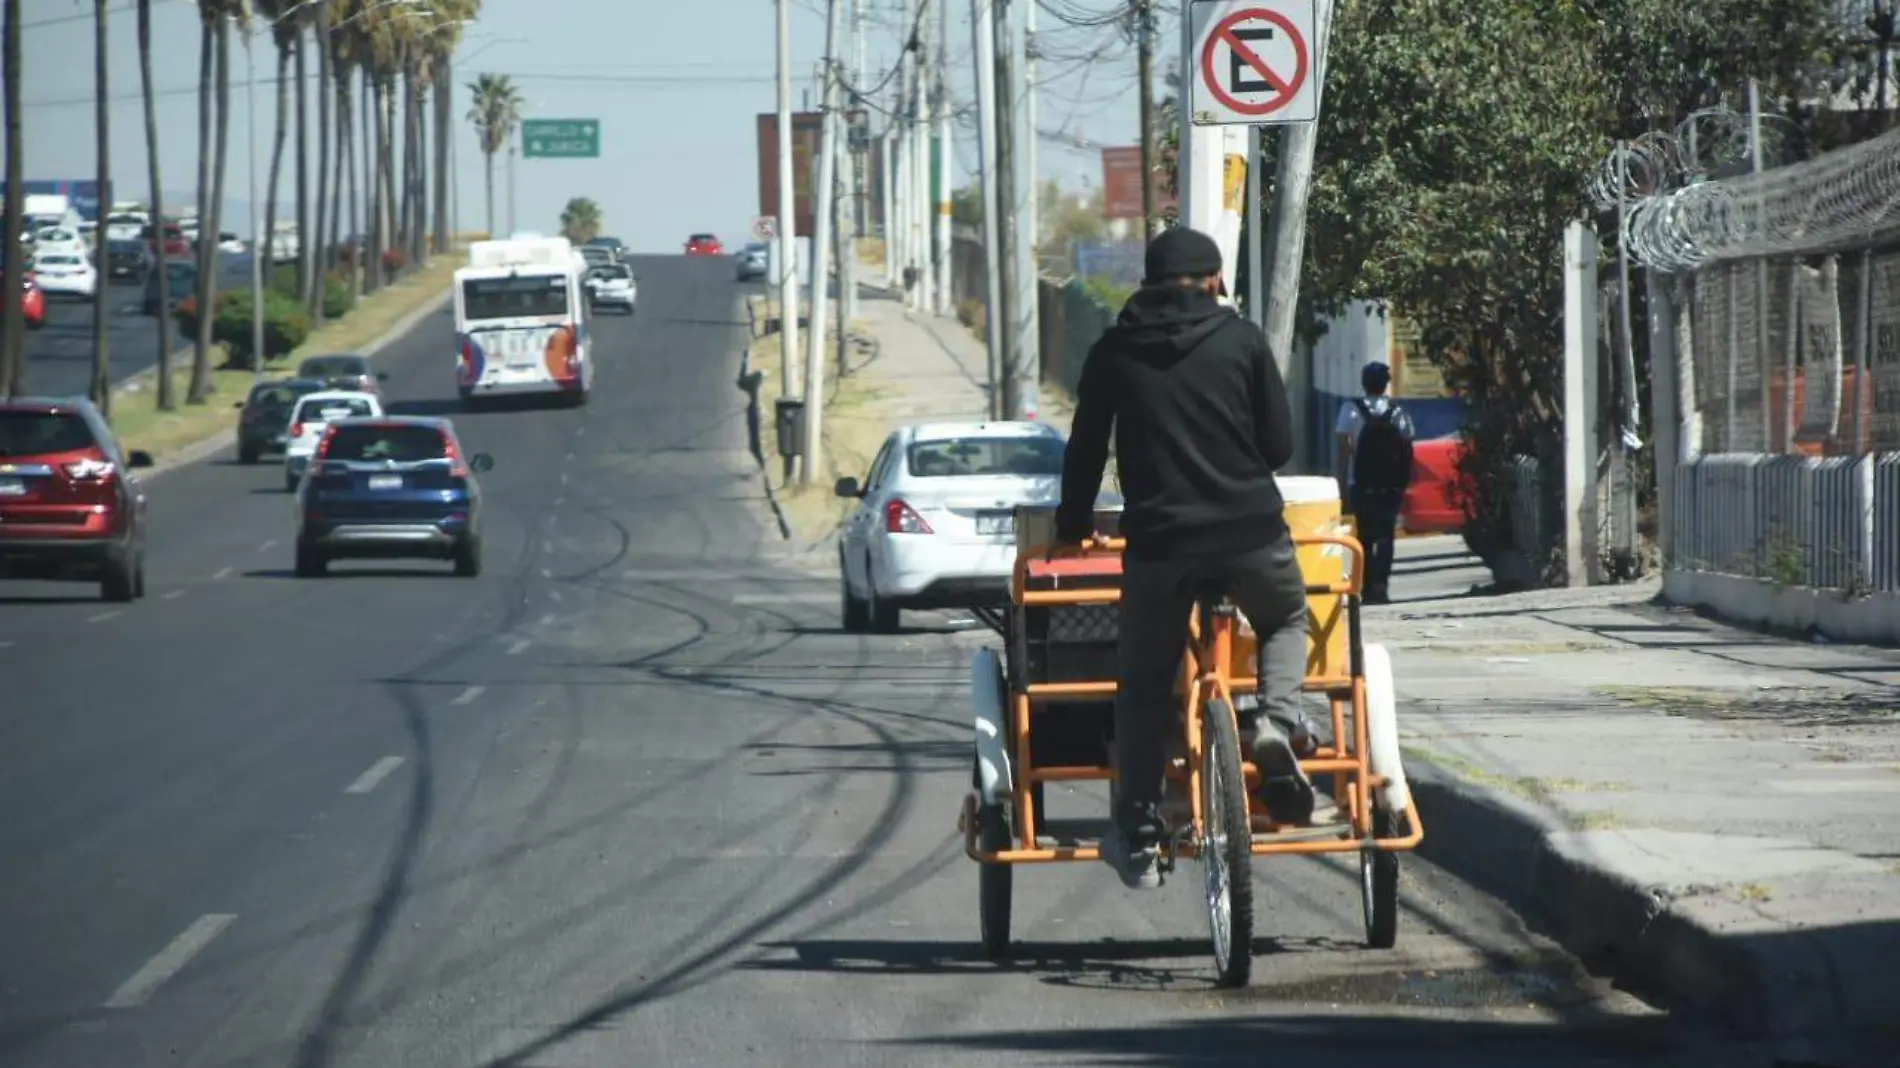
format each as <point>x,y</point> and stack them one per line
<point>390,487</point>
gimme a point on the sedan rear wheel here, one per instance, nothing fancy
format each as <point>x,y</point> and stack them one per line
<point>857,612</point>
<point>884,615</point>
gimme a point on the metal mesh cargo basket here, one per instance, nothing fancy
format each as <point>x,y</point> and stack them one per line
<point>1085,623</point>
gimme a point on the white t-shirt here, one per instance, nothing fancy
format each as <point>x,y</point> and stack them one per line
<point>1351,422</point>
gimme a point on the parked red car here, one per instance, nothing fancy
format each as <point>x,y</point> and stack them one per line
<point>704,245</point>
<point>1430,507</point>
<point>70,505</point>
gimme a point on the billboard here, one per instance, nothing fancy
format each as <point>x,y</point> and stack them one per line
<point>1121,184</point>
<point>83,192</point>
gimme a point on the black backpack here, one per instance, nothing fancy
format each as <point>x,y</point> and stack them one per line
<point>1382,458</point>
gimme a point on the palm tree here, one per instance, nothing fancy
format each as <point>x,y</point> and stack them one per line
<point>209,226</point>
<point>210,12</point>
<point>442,40</point>
<point>339,52</point>
<point>101,391</point>
<point>315,238</point>
<point>580,220</point>
<point>166,402</point>
<point>496,111</point>
<point>283,18</point>
<point>13,355</point>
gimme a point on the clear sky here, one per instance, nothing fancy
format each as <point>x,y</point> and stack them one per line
<point>675,83</point>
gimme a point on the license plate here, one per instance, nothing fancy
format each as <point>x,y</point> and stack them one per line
<point>995,522</point>
<point>12,487</point>
<point>385,482</point>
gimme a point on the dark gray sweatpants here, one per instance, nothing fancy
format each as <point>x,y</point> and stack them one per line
<point>1157,599</point>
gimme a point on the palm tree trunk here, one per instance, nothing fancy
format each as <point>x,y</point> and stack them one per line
<point>201,338</point>
<point>268,238</point>
<point>13,355</point>
<point>323,248</point>
<point>340,168</point>
<point>419,242</point>
<point>166,402</point>
<point>101,349</point>
<point>201,390</point>
<point>306,242</point>
<point>411,163</point>
<point>488,188</point>
<point>386,196</point>
<point>372,188</point>
<point>444,129</point>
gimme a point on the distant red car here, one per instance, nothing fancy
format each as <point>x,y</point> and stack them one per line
<point>175,243</point>
<point>1430,506</point>
<point>704,245</point>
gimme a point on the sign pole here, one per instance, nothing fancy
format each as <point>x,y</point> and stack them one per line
<point>820,254</point>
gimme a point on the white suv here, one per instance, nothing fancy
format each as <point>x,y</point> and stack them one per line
<point>312,416</point>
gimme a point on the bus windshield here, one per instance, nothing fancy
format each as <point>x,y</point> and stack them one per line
<point>517,297</point>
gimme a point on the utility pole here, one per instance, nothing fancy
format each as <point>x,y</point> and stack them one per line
<point>260,241</point>
<point>511,179</point>
<point>983,52</point>
<point>1286,244</point>
<point>820,254</point>
<point>787,217</point>
<point>1007,234</point>
<point>850,216</point>
<point>1029,207</point>
<point>944,300</point>
<point>1145,30</point>
<point>887,193</point>
<point>922,199</point>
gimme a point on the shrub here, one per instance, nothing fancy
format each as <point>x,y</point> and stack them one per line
<point>338,295</point>
<point>394,260</point>
<point>285,324</point>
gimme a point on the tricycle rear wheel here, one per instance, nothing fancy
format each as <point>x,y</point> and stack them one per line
<point>1227,845</point>
<point>995,882</point>
<point>1379,886</point>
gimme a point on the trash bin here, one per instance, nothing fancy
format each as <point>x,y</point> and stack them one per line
<point>790,414</point>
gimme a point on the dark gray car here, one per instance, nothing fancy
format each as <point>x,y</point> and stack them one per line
<point>264,426</point>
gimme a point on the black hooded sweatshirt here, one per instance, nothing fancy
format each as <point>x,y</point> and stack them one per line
<point>1200,418</point>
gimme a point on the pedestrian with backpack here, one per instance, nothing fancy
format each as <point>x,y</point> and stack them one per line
<point>1375,463</point>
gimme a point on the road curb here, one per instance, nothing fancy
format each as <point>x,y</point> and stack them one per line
<point>204,448</point>
<point>1785,996</point>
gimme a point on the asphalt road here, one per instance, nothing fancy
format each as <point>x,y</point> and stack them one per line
<point>629,798</point>
<point>59,355</point>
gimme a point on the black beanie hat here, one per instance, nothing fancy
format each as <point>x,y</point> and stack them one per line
<point>1181,252</point>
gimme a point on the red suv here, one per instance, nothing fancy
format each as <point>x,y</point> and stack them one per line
<point>70,506</point>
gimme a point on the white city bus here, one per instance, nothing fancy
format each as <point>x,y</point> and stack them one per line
<point>521,320</point>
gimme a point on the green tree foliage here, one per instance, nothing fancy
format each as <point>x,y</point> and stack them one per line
<point>1457,140</point>
<point>581,220</point>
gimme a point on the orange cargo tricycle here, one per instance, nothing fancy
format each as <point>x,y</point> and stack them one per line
<point>1044,712</point>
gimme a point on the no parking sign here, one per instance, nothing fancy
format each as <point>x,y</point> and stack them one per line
<point>1255,62</point>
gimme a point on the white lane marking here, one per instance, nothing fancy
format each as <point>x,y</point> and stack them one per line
<point>6,645</point>
<point>547,547</point>
<point>558,501</point>
<point>469,695</point>
<point>516,648</point>
<point>564,473</point>
<point>173,595</point>
<point>266,546</point>
<point>580,431</point>
<point>223,573</point>
<point>785,598</point>
<point>377,773</point>
<point>547,619</point>
<point>547,573</point>
<point>170,961</point>
<point>555,596</point>
<point>103,616</point>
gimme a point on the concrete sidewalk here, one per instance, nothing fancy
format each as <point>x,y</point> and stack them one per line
<point>905,368</point>
<point>1712,814</point>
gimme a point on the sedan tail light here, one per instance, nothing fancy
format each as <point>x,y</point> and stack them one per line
<point>901,518</point>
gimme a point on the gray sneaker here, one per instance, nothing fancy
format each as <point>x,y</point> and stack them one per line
<point>1284,787</point>
<point>1139,867</point>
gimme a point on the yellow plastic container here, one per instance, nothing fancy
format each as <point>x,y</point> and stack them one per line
<point>1313,507</point>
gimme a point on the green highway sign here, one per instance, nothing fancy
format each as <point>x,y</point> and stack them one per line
<point>560,138</point>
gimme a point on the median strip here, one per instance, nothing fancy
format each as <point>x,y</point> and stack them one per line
<point>191,432</point>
